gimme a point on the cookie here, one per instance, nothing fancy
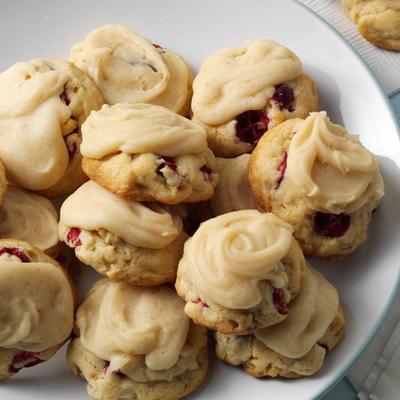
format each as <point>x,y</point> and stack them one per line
<point>320,179</point>
<point>377,20</point>
<point>36,304</point>
<point>129,69</point>
<point>240,93</point>
<point>122,239</point>
<point>29,217</point>
<point>148,153</point>
<point>297,346</point>
<point>52,98</point>
<point>149,351</point>
<point>239,271</point>
<point>3,182</point>
<point>233,192</point>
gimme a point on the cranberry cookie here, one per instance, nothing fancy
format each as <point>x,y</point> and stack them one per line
<point>148,153</point>
<point>122,239</point>
<point>29,217</point>
<point>36,305</point>
<point>297,346</point>
<point>233,192</point>
<point>240,93</point>
<point>137,343</point>
<point>321,180</point>
<point>377,20</point>
<point>239,271</point>
<point>129,69</point>
<point>43,104</point>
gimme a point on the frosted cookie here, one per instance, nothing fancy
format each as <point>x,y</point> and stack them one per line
<point>29,217</point>
<point>36,306</point>
<point>321,180</point>
<point>129,69</point>
<point>137,343</point>
<point>122,239</point>
<point>240,271</point>
<point>297,346</point>
<point>377,20</point>
<point>240,93</point>
<point>148,153</point>
<point>233,192</point>
<point>42,106</point>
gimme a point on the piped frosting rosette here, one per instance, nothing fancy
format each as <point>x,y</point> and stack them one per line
<point>129,69</point>
<point>331,168</point>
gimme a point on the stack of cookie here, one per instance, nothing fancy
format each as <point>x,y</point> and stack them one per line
<point>258,178</point>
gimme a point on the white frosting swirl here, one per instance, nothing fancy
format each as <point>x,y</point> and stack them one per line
<point>333,170</point>
<point>233,192</point>
<point>29,217</point>
<point>92,207</point>
<point>36,305</point>
<point>118,321</point>
<point>140,128</point>
<point>232,81</point>
<point>31,117</point>
<point>229,255</point>
<point>310,315</point>
<point>125,67</point>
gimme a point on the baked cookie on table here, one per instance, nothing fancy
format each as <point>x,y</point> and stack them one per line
<point>129,69</point>
<point>240,271</point>
<point>43,104</point>
<point>377,20</point>
<point>122,239</point>
<point>36,306</point>
<point>137,343</point>
<point>319,178</point>
<point>148,153</point>
<point>29,217</point>
<point>233,192</point>
<point>240,93</point>
<point>297,346</point>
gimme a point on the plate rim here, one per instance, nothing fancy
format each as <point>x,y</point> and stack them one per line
<point>396,288</point>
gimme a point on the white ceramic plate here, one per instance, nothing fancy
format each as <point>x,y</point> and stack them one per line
<point>366,280</point>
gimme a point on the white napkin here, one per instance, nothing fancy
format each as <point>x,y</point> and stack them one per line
<point>385,64</point>
<point>376,375</point>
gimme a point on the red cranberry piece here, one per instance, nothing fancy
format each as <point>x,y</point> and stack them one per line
<point>282,170</point>
<point>206,172</point>
<point>167,162</point>
<point>15,251</point>
<point>251,125</point>
<point>73,236</point>
<point>25,359</point>
<point>157,46</point>
<point>278,298</point>
<point>331,225</point>
<point>284,96</point>
<point>201,303</point>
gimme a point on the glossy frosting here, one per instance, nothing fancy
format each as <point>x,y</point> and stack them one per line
<point>124,66</point>
<point>310,315</point>
<point>230,254</point>
<point>36,305</point>
<point>333,170</point>
<point>31,117</point>
<point>233,192</point>
<point>140,128</point>
<point>235,80</point>
<point>118,321</point>
<point>30,217</point>
<point>92,208</point>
